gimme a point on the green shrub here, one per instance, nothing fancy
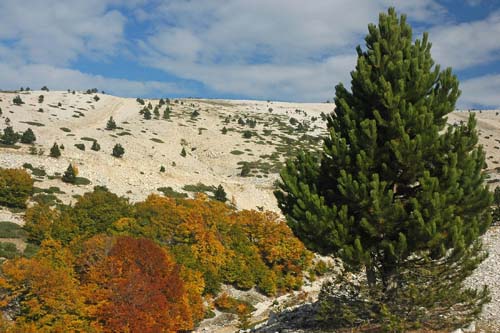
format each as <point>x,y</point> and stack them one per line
<point>80,146</point>
<point>11,230</point>
<point>8,250</point>
<point>95,146</point>
<point>30,250</point>
<point>170,192</point>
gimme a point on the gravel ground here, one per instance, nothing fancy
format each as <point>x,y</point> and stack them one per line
<point>488,273</point>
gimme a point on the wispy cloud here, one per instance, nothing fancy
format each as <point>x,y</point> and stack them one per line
<point>284,49</point>
<point>481,91</point>
<point>467,44</point>
<point>62,78</point>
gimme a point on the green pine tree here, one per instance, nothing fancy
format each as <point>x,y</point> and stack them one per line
<point>111,124</point>
<point>395,192</point>
<point>17,100</point>
<point>28,136</point>
<point>166,113</point>
<point>9,137</point>
<point>95,146</point>
<point>118,150</point>
<point>245,170</point>
<point>69,175</point>
<point>147,114</point>
<point>54,151</point>
<point>220,194</point>
<point>183,152</point>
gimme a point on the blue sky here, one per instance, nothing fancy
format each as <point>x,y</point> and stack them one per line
<point>291,50</point>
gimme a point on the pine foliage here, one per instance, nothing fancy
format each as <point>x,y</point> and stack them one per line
<point>395,191</point>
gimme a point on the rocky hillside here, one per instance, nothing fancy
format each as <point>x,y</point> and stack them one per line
<point>257,133</point>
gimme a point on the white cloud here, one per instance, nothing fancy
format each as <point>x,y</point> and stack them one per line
<point>36,76</point>
<point>483,90</point>
<point>467,44</point>
<point>285,49</point>
<point>57,32</point>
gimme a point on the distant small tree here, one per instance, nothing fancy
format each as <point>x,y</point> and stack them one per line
<point>40,99</point>
<point>44,88</point>
<point>245,170</point>
<point>70,174</point>
<point>118,150</point>
<point>54,151</point>
<point>241,122</point>
<point>59,104</point>
<point>96,98</point>
<point>17,100</point>
<point>156,112</point>
<point>166,113</point>
<point>247,134</point>
<point>1,111</point>
<point>147,114</point>
<point>224,130</point>
<point>9,137</point>
<point>28,136</point>
<point>183,152</point>
<point>162,169</point>
<point>220,194</point>
<point>195,114</point>
<point>161,102</point>
<point>95,146</point>
<point>140,101</point>
<point>150,106</point>
<point>111,125</point>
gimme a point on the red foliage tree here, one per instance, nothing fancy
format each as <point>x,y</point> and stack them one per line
<point>139,289</point>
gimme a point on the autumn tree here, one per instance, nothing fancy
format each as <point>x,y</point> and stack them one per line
<point>16,186</point>
<point>96,211</point>
<point>157,301</point>
<point>44,293</point>
<point>395,191</point>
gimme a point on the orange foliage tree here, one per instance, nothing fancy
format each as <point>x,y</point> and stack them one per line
<point>43,294</point>
<point>139,288</point>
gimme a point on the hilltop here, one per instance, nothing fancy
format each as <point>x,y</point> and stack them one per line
<point>274,130</point>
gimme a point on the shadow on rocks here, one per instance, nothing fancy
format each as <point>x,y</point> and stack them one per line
<point>299,319</point>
